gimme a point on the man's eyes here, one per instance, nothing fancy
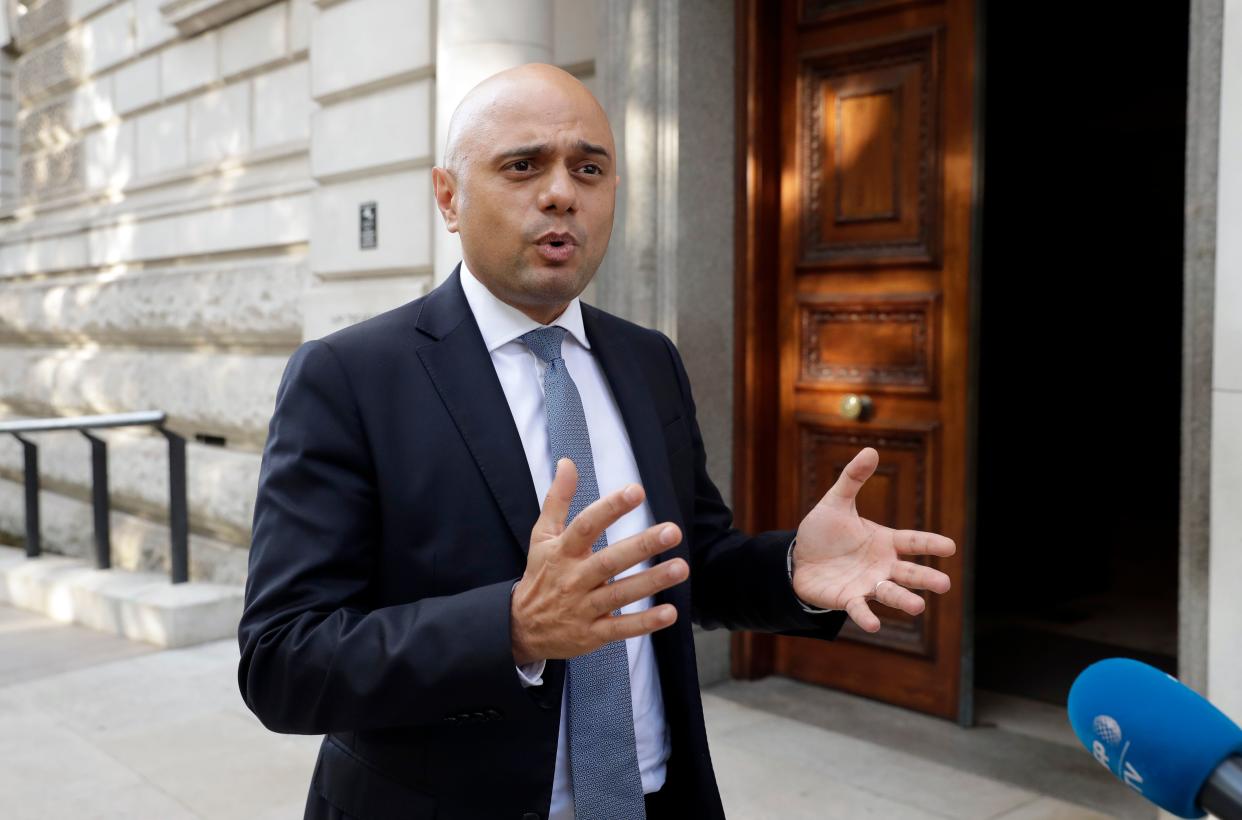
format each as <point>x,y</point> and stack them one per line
<point>524,165</point>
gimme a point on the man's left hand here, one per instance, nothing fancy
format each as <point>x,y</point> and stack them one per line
<point>841,559</point>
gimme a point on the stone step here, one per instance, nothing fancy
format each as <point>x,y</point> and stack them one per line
<point>140,606</point>
<point>138,543</point>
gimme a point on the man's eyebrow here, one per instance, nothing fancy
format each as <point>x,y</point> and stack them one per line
<point>524,151</point>
<point>542,148</point>
<point>591,148</point>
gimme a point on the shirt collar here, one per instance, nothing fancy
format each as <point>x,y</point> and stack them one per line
<point>501,323</point>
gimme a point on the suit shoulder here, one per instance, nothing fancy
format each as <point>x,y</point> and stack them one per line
<point>647,339</point>
<point>369,336</point>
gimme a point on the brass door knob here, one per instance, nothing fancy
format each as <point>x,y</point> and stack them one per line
<point>856,408</point>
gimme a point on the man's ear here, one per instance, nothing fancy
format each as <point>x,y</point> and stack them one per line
<point>444,186</point>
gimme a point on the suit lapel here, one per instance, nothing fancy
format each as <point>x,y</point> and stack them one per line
<point>461,370</point>
<point>633,396</point>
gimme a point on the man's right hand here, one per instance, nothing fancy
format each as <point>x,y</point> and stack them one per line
<point>562,607</point>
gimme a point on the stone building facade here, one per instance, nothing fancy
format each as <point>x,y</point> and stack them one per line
<point>183,187</point>
<point>165,165</point>
<point>155,249</point>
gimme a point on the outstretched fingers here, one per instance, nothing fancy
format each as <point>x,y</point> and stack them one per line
<point>625,591</point>
<point>892,594</point>
<point>917,542</point>
<point>589,524</point>
<point>862,615</point>
<point>617,558</point>
<point>610,628</point>
<point>917,576</point>
<point>852,478</point>
<point>551,520</point>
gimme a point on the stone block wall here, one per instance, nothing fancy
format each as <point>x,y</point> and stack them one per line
<point>373,78</point>
<point>155,218</point>
<point>400,67</point>
<point>180,195</point>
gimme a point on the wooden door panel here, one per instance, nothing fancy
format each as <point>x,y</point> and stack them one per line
<point>823,11</point>
<point>870,146</point>
<point>856,179</point>
<point>878,343</point>
<point>899,495</point>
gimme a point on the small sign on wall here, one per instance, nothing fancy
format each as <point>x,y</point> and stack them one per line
<point>368,226</point>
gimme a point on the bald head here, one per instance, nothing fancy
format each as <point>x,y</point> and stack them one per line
<point>529,182</point>
<point>522,89</point>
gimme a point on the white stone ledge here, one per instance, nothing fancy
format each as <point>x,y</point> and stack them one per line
<point>221,483</point>
<point>368,171</point>
<point>192,16</point>
<point>264,224</point>
<point>219,393</point>
<point>275,172</point>
<point>232,301</point>
<point>140,544</point>
<point>255,40</point>
<point>427,72</point>
<point>138,606</point>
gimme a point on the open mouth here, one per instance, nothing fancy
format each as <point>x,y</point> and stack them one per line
<point>556,247</point>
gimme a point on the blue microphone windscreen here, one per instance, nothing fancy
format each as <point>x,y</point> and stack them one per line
<point>1157,736</point>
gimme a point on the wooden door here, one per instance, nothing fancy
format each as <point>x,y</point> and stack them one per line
<point>856,157</point>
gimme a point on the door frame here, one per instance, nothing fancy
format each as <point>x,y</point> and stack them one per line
<point>755,346</point>
<point>1203,103</point>
<point>756,318</point>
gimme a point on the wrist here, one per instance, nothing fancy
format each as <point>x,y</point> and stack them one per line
<point>522,653</point>
<point>789,567</point>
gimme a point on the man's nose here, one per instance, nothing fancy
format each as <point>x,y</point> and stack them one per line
<point>559,192</point>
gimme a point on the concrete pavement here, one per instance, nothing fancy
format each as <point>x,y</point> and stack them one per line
<point>98,727</point>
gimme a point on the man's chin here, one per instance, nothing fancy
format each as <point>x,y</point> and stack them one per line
<point>555,284</point>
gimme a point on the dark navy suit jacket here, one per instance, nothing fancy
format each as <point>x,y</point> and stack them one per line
<point>394,512</point>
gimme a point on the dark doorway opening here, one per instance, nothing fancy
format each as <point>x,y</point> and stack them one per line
<point>1080,342</point>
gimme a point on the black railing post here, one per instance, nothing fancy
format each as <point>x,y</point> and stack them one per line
<point>99,500</point>
<point>178,510</point>
<point>30,453</point>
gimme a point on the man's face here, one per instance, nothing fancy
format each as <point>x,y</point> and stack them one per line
<point>533,197</point>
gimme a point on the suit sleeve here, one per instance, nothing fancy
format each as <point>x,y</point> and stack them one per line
<point>316,656</point>
<point>739,581</point>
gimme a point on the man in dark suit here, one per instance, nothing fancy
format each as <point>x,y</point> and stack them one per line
<point>466,653</point>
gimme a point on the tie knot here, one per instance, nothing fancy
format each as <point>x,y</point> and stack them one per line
<point>545,342</point>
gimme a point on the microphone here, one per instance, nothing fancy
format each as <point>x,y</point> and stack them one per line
<point>1159,737</point>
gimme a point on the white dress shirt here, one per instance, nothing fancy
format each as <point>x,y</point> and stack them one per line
<point>521,377</point>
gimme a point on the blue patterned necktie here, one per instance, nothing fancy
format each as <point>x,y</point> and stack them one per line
<point>603,759</point>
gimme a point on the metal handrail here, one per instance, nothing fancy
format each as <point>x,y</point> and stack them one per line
<point>99,422</point>
<point>178,510</point>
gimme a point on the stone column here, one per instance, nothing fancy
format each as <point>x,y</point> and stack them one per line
<point>474,40</point>
<point>1224,620</point>
<point>665,74</point>
<point>638,87</point>
<point>1203,104</point>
